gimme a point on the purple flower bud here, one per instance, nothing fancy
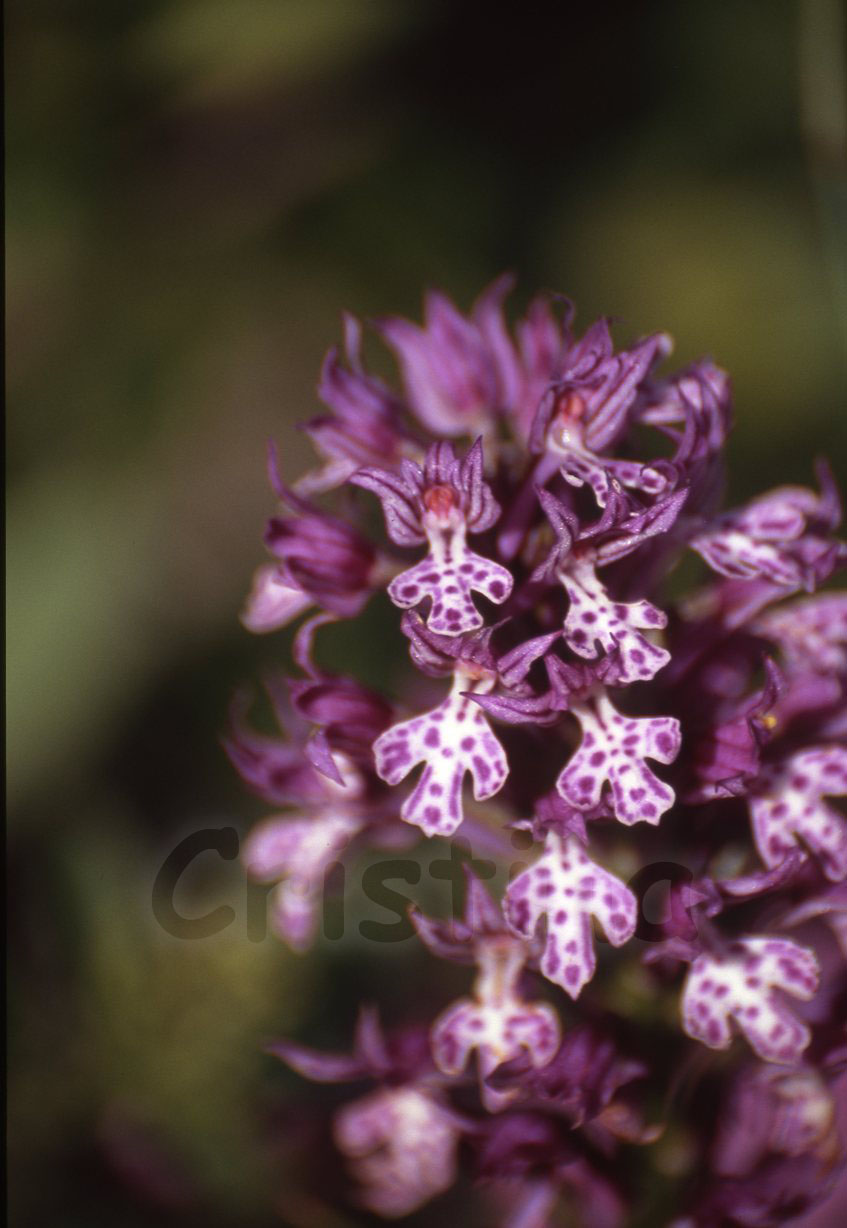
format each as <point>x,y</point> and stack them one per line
<point>325,558</point>
<point>726,742</point>
<point>775,1112</point>
<point>275,599</point>
<point>460,374</point>
<point>402,1145</point>
<point>274,768</point>
<point>350,715</point>
<point>401,1056</point>
<point>364,427</point>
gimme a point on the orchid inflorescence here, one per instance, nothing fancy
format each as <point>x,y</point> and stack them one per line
<point>529,545</point>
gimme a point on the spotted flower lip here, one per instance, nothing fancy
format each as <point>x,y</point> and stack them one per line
<point>740,986</point>
<point>451,741</point>
<point>613,752</point>
<point>567,888</point>
<point>297,852</point>
<point>401,1139</point>
<point>440,503</point>
<point>787,803</point>
<point>781,537</point>
<point>496,1022</point>
<point>593,617</point>
<point>811,633</point>
<point>538,490</point>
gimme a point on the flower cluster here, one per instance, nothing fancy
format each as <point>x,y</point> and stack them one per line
<point>537,489</point>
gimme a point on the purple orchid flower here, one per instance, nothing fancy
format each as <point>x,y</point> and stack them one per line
<point>642,734</point>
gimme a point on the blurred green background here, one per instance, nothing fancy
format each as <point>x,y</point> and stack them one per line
<point>195,189</point>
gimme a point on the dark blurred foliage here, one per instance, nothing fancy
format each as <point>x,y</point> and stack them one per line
<point>196,188</point>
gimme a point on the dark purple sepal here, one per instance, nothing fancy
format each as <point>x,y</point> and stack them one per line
<point>761,882</point>
<point>274,767</point>
<point>582,1079</point>
<point>365,424</point>
<point>725,756</point>
<point>455,940</point>
<point>402,1055</point>
<point>437,655</point>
